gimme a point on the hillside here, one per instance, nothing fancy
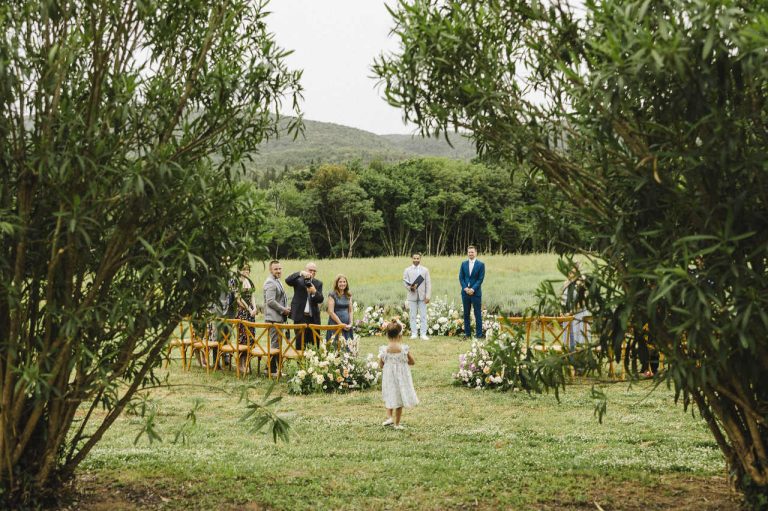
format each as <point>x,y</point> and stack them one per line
<point>325,142</point>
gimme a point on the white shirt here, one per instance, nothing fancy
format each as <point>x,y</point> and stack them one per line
<point>471,265</point>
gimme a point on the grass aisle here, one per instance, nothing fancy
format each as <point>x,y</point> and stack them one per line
<point>462,449</point>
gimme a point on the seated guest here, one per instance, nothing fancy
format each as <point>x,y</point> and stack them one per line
<point>340,306</point>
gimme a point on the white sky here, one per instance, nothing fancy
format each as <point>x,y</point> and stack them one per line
<point>335,42</point>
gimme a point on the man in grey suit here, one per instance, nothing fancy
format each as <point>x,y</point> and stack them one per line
<point>419,285</point>
<point>276,308</point>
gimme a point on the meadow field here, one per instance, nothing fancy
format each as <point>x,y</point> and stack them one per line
<point>510,280</point>
<point>462,449</point>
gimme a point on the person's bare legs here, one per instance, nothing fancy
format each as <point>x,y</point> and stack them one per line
<point>398,414</point>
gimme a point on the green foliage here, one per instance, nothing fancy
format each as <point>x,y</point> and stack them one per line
<point>650,118</point>
<point>432,205</point>
<point>122,129</point>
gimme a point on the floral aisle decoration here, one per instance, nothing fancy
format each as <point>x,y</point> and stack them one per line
<point>500,361</point>
<point>329,371</point>
<point>443,319</point>
<point>446,319</point>
<point>373,319</point>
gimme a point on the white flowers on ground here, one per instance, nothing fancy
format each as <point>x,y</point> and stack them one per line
<point>494,362</point>
<point>327,371</point>
<point>443,319</point>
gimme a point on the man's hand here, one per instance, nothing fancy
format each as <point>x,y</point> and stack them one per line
<point>413,287</point>
<point>305,274</point>
<point>426,300</point>
<point>287,311</point>
<point>311,290</point>
<point>348,327</point>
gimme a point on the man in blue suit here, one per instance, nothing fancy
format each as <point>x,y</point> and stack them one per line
<point>471,275</point>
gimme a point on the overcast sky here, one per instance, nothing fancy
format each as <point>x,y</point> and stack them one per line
<point>335,42</point>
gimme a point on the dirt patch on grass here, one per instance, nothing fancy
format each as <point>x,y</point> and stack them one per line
<point>668,492</point>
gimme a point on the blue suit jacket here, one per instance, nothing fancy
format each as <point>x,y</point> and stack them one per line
<point>475,280</point>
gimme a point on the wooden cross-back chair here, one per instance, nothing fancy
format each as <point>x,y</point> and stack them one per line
<point>289,335</point>
<point>228,344</point>
<point>259,344</point>
<point>319,334</point>
<point>508,325</point>
<point>182,341</point>
<point>555,332</point>
<point>204,345</point>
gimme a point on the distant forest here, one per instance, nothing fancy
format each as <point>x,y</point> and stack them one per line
<point>343,192</point>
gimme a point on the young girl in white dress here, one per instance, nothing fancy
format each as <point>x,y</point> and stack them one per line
<point>396,381</point>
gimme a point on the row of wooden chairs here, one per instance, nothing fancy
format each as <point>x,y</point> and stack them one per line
<point>554,332</point>
<point>258,343</point>
<point>548,332</point>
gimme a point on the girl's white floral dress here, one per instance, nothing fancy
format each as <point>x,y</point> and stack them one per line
<point>396,381</point>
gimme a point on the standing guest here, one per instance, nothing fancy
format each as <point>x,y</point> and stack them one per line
<point>471,275</point>
<point>307,297</point>
<point>246,308</point>
<point>276,308</point>
<point>416,280</point>
<point>396,380</point>
<point>223,308</point>
<point>340,306</point>
<point>573,300</point>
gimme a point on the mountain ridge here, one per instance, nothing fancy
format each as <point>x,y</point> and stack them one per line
<point>327,142</point>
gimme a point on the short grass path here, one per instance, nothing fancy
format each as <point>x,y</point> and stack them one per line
<point>462,449</point>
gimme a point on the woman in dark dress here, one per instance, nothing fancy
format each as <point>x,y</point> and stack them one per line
<point>246,307</point>
<point>340,306</point>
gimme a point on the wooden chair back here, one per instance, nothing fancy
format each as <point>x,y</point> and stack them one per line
<point>288,335</point>
<point>555,332</point>
<point>259,344</point>
<point>181,341</point>
<point>508,324</point>
<point>204,345</point>
<point>319,333</point>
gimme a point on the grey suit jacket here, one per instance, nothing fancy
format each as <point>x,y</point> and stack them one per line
<point>424,290</point>
<point>275,301</point>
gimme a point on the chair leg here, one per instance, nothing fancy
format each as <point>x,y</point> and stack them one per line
<point>218,356</point>
<point>183,355</point>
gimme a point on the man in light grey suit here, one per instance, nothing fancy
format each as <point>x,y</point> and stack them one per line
<point>419,285</point>
<point>276,308</point>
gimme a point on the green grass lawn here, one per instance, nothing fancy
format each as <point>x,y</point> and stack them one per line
<point>510,280</point>
<point>462,449</point>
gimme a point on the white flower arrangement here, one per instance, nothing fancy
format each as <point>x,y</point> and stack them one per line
<point>494,362</point>
<point>443,319</point>
<point>327,371</point>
